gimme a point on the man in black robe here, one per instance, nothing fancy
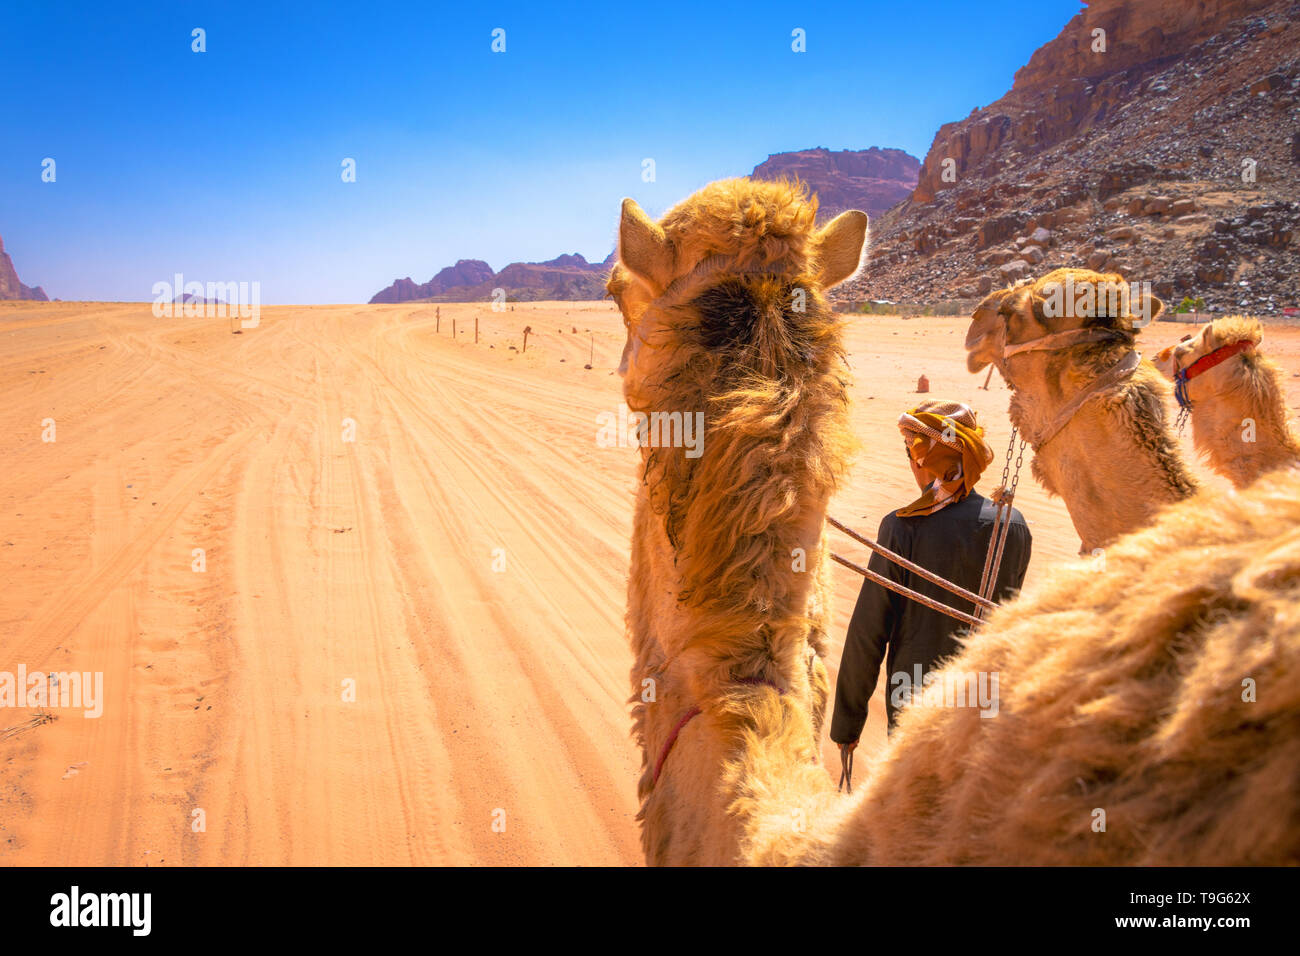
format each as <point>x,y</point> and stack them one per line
<point>947,531</point>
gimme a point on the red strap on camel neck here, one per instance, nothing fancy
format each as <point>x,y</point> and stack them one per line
<point>672,739</point>
<point>1218,356</point>
<point>692,713</point>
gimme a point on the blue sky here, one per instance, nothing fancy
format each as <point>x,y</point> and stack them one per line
<point>225,165</point>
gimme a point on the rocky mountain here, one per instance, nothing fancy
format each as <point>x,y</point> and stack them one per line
<point>1158,138</point>
<point>564,277</point>
<point>868,179</point>
<point>10,287</point>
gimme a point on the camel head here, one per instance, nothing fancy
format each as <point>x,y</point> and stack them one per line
<point>1197,345</point>
<point>736,271</point>
<point>1062,301</point>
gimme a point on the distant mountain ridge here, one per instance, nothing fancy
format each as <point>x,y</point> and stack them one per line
<point>872,180</point>
<point>566,277</point>
<point>10,287</point>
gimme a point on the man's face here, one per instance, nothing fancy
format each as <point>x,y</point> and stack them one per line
<point>923,477</point>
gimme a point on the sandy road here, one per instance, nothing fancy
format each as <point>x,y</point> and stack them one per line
<point>408,622</point>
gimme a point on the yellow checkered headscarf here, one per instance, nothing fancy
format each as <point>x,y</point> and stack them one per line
<point>944,439</point>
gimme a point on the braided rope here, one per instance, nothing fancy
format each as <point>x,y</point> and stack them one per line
<point>1004,505</point>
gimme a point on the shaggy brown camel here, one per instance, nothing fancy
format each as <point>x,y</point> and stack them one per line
<point>1238,407</point>
<point>1093,411</point>
<point>739,331</point>
<point>1145,713</point>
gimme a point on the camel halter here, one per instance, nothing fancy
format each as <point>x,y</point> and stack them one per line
<point>689,716</point>
<point>1203,365</point>
<point>1003,498</point>
<point>1116,374</point>
<point>1059,340</point>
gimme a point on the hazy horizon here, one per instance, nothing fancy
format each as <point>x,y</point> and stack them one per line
<point>226,165</point>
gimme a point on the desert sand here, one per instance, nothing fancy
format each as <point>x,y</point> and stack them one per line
<point>402,648</point>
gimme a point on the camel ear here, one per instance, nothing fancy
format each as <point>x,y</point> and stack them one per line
<point>1156,307</point>
<point>644,248</point>
<point>841,247</point>
<point>1145,307</point>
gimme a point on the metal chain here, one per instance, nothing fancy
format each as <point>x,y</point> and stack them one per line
<point>1006,467</point>
<point>1003,499</point>
<point>1009,481</point>
<point>1020,460</point>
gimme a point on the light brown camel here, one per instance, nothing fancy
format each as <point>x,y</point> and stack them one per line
<point>739,331</point>
<point>1147,713</point>
<point>1238,406</point>
<point>1093,412</point>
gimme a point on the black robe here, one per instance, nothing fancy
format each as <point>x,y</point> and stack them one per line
<point>953,543</point>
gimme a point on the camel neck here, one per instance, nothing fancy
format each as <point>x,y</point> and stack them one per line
<point>1243,430</point>
<point>1048,387</point>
